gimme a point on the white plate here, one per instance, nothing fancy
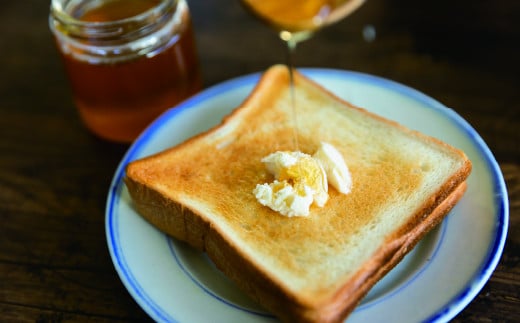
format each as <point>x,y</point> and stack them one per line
<point>174,283</point>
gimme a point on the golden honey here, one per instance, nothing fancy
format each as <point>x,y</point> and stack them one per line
<point>127,61</point>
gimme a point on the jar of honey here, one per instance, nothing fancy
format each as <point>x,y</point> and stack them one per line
<point>127,60</point>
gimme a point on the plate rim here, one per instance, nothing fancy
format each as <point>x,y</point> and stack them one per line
<point>452,306</point>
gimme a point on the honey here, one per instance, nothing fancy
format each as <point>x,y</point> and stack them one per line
<point>129,61</point>
<point>292,15</point>
<point>296,16</point>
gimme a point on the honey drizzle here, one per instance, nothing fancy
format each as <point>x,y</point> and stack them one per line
<point>291,47</point>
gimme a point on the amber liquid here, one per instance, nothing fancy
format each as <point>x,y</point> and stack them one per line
<point>117,101</point>
<point>300,16</point>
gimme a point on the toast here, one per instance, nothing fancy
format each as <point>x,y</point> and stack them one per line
<point>302,269</point>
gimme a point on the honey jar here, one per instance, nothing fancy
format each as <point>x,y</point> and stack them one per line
<point>127,60</point>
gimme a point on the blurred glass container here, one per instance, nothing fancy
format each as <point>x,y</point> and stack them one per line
<point>127,60</point>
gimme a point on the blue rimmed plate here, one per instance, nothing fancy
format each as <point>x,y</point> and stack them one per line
<point>174,283</point>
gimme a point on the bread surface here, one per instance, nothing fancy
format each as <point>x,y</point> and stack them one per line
<point>314,268</point>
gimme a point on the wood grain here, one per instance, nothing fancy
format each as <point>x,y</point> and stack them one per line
<point>54,175</point>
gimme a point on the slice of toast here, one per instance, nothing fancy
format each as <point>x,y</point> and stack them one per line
<point>304,269</point>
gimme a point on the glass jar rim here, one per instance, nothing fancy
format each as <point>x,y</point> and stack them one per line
<point>108,29</point>
<point>98,43</point>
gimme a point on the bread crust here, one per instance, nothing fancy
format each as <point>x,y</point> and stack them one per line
<point>168,212</point>
<point>386,258</point>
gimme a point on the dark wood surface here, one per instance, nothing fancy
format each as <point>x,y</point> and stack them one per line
<point>54,175</point>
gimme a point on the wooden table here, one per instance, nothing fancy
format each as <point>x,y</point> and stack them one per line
<point>54,175</point>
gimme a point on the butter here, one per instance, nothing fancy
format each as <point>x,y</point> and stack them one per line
<point>302,180</point>
<point>282,198</point>
<point>335,167</point>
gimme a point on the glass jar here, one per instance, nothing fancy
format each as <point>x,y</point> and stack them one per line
<point>127,60</point>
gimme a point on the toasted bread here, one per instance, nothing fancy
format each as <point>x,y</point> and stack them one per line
<point>304,269</point>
